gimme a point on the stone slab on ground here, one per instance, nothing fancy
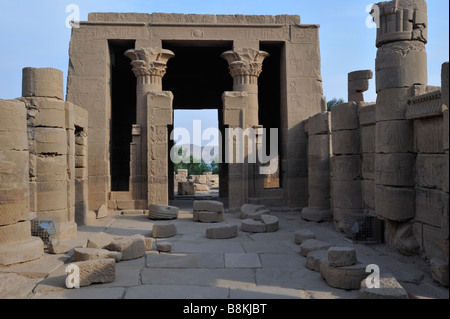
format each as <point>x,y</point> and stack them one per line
<point>85,254</point>
<point>208,206</point>
<point>389,289</point>
<point>222,232</point>
<point>131,247</point>
<point>163,212</point>
<point>249,209</point>
<point>253,226</point>
<point>271,222</point>
<point>348,278</point>
<point>313,244</point>
<point>342,256</point>
<point>14,286</point>
<point>164,246</point>
<point>302,235</point>
<point>241,260</point>
<point>166,230</point>
<point>96,271</point>
<point>314,257</point>
<point>208,217</point>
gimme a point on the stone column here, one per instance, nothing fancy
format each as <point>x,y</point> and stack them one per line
<point>401,65</point>
<point>16,243</point>
<point>245,67</point>
<point>149,66</point>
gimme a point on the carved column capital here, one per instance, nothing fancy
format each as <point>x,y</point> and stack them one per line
<point>149,64</point>
<point>245,64</point>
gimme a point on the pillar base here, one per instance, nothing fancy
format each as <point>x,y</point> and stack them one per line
<point>21,252</point>
<point>317,215</point>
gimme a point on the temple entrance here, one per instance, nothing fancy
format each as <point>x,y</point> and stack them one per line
<point>197,76</point>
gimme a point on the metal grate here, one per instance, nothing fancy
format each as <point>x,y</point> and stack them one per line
<point>44,228</point>
<point>364,229</point>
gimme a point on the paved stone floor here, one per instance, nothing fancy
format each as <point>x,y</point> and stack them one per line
<point>250,266</point>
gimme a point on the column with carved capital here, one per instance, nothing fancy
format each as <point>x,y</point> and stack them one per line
<point>245,67</point>
<point>149,66</point>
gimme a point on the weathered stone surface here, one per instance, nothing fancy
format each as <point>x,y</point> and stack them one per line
<point>208,206</point>
<point>222,232</point>
<point>21,251</point>
<point>44,82</point>
<point>445,131</point>
<point>344,117</point>
<point>319,124</point>
<point>84,254</point>
<point>432,171</point>
<point>209,217</point>
<point>317,215</point>
<point>15,233</point>
<point>347,194</point>
<point>166,230</point>
<point>319,145</point>
<point>96,271</point>
<point>348,278</point>
<point>346,142</point>
<point>368,134</point>
<point>164,246</point>
<point>163,212</point>
<point>394,137</point>
<point>186,188</point>
<point>431,206</point>
<point>201,187</point>
<point>389,289</point>
<point>102,212</point>
<point>400,236</point>
<point>394,169</point>
<point>314,257</point>
<point>131,248</point>
<point>396,204</point>
<point>256,215</point>
<point>253,226</point>
<point>346,168</point>
<point>432,241</point>
<point>250,209</point>
<point>342,256</point>
<point>302,235</point>
<point>367,114</point>
<point>428,135</point>
<point>271,222</point>
<point>368,166</point>
<point>440,271</point>
<point>368,193</point>
<point>313,244</point>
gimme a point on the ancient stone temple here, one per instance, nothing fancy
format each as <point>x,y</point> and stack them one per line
<point>257,71</point>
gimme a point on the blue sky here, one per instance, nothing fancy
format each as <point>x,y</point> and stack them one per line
<point>33,33</point>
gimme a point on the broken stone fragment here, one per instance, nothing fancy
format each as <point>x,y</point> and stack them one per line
<point>101,212</point>
<point>342,256</point>
<point>247,209</point>
<point>312,244</point>
<point>164,247</point>
<point>131,248</point>
<point>93,271</point>
<point>210,217</point>
<point>222,232</point>
<point>161,212</point>
<point>348,278</point>
<point>208,206</point>
<point>253,226</point>
<point>302,235</point>
<point>314,257</point>
<point>164,230</point>
<point>389,289</point>
<point>271,222</point>
<point>84,254</point>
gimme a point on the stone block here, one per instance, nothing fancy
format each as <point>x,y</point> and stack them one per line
<point>164,246</point>
<point>319,124</point>
<point>163,212</point>
<point>367,114</point>
<point>445,85</point>
<point>389,289</point>
<point>431,171</point>
<point>395,169</point>
<point>208,217</point>
<point>44,82</point>
<point>397,204</point>
<point>201,187</point>
<point>346,168</point>
<point>432,241</point>
<point>313,244</point>
<point>20,252</point>
<point>256,215</point>
<point>319,145</point>
<point>50,112</point>
<point>102,212</point>
<point>50,140</point>
<point>392,104</point>
<point>222,232</point>
<point>84,254</point>
<point>347,194</point>
<point>250,209</point>
<point>342,256</point>
<point>51,168</point>
<point>13,118</point>
<point>445,131</point>
<point>348,278</point>
<point>253,226</point>
<point>439,271</point>
<point>314,258</point>
<point>394,137</point>
<point>208,205</point>
<point>428,135</point>
<point>368,166</point>
<point>431,206</point>
<point>15,233</point>
<point>401,237</point>
<point>302,235</point>
<point>14,211</point>
<point>368,193</point>
<point>368,139</point>
<point>346,142</point>
<point>344,117</point>
<point>131,248</point>
<point>98,271</point>
<point>271,222</point>
<point>186,188</point>
<point>164,230</point>
<point>317,215</point>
